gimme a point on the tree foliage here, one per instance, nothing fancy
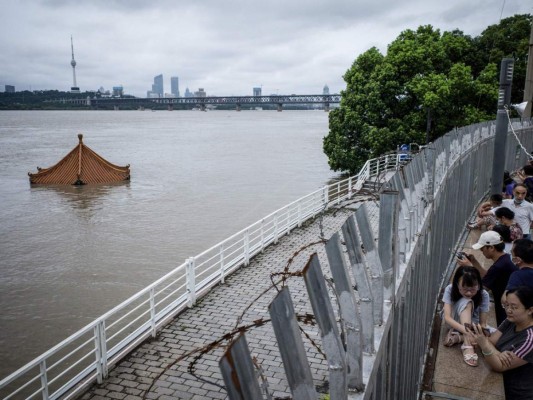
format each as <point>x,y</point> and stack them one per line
<point>427,84</point>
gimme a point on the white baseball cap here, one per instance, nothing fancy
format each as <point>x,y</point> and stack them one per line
<point>489,238</point>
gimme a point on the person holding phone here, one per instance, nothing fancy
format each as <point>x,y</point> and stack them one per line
<point>496,277</point>
<point>510,348</point>
<point>465,302</point>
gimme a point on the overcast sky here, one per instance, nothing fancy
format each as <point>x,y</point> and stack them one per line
<point>224,46</point>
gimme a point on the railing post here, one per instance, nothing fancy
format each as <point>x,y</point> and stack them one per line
<point>100,351</point>
<point>350,187</point>
<point>152,312</point>
<point>326,197</point>
<point>246,247</point>
<point>44,380</point>
<point>191,283</point>
<point>222,271</point>
<point>338,192</point>
<point>276,233</point>
<point>299,214</point>
<point>262,235</point>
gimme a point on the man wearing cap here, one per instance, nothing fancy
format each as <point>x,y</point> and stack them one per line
<point>523,210</point>
<point>496,277</point>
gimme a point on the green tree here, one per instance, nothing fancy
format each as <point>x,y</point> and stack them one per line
<point>425,79</point>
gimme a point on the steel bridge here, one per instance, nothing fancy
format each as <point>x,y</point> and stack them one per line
<point>202,102</point>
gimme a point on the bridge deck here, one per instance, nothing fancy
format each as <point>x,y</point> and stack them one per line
<point>215,315</point>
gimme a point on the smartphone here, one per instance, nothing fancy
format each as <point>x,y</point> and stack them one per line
<point>469,327</point>
<point>460,255</point>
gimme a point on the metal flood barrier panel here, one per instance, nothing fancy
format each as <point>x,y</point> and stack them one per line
<point>376,322</point>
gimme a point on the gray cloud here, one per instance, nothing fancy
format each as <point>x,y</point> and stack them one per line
<point>226,47</point>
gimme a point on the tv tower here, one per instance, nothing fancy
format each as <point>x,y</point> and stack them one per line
<point>74,88</point>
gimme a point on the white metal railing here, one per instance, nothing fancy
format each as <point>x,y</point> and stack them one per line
<point>64,370</point>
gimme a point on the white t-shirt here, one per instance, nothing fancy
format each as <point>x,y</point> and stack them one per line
<point>523,213</point>
<point>483,306</point>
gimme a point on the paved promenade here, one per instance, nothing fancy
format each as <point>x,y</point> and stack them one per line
<point>452,376</point>
<point>246,293</point>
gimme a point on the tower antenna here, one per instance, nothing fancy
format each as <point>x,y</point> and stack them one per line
<point>74,88</point>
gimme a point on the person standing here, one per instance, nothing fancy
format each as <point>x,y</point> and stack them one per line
<point>496,277</point>
<point>522,209</point>
<point>522,256</point>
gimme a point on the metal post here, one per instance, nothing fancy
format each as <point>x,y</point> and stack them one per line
<point>191,283</point>
<point>100,351</point>
<point>44,380</point>
<point>528,86</point>
<point>361,279</point>
<point>238,372</point>
<point>276,233</point>
<point>326,197</point>
<point>325,318</point>
<point>152,312</point>
<point>262,235</point>
<point>222,270</point>
<point>291,346</point>
<point>246,248</point>
<point>349,313</point>
<point>372,257</point>
<point>299,214</point>
<point>389,209</point>
<point>500,138</point>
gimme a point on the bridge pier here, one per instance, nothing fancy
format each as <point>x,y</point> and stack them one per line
<point>280,107</point>
<point>202,107</point>
<point>326,107</point>
<point>237,107</point>
<point>116,108</point>
<point>170,107</point>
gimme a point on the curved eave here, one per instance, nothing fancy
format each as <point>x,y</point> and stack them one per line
<point>79,167</point>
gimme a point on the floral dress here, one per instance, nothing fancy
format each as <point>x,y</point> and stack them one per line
<point>516,232</point>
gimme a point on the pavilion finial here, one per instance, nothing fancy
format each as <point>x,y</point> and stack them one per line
<point>80,136</point>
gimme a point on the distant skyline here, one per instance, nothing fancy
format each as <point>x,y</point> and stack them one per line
<point>227,48</point>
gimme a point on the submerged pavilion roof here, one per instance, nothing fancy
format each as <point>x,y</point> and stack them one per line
<point>79,167</point>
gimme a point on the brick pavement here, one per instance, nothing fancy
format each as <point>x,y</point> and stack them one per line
<point>215,315</point>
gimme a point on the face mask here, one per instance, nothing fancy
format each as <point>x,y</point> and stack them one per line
<point>517,201</point>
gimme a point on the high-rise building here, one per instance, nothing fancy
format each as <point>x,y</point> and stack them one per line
<point>10,89</point>
<point>325,90</point>
<point>188,93</point>
<point>157,87</point>
<point>175,86</point>
<point>257,91</point>
<point>74,88</point>
<point>200,93</point>
<point>118,91</point>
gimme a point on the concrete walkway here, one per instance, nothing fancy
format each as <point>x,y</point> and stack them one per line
<point>452,376</point>
<point>216,314</point>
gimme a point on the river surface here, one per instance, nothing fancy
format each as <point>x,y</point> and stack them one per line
<point>68,254</point>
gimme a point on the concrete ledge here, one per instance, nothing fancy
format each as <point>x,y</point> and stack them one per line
<point>453,378</point>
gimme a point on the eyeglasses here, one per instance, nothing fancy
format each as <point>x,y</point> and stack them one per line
<point>511,307</point>
<point>471,289</point>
